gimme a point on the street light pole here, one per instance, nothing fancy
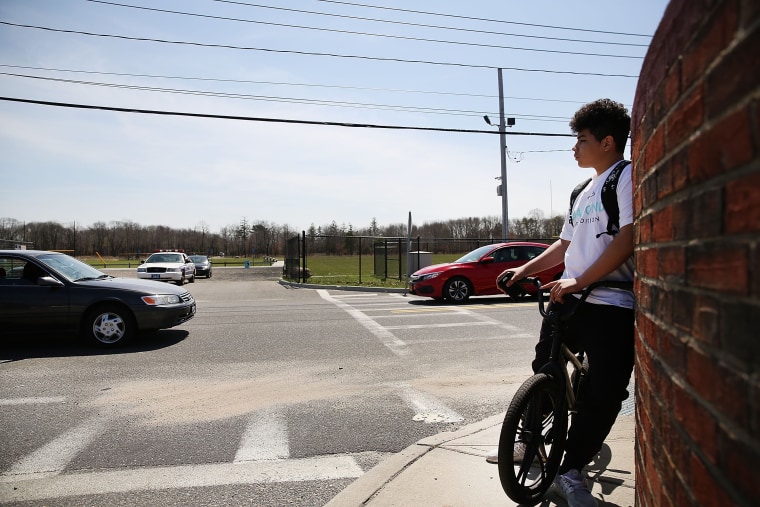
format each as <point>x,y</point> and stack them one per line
<point>503,150</point>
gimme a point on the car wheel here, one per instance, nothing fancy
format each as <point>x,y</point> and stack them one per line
<point>181,280</point>
<point>457,290</point>
<point>208,275</point>
<point>109,326</point>
<point>192,277</point>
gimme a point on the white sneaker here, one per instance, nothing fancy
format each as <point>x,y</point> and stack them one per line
<point>518,454</point>
<point>573,488</point>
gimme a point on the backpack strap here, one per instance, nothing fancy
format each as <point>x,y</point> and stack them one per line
<point>610,201</point>
<point>574,195</point>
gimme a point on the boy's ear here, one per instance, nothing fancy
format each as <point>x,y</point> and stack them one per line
<point>608,143</point>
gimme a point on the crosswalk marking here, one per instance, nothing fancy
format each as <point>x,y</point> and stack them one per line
<point>183,476</point>
<point>394,344</point>
<point>52,458</point>
<point>265,438</point>
<point>429,409</point>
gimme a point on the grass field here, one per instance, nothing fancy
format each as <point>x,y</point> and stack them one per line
<point>345,270</point>
<point>325,269</point>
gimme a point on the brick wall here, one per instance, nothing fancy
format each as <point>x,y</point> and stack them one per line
<point>696,152</point>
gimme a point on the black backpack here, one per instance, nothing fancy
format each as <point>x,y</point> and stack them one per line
<point>609,199</point>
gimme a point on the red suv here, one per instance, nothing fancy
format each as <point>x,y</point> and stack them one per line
<point>475,273</point>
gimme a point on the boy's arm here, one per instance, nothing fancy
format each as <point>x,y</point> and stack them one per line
<point>616,253</point>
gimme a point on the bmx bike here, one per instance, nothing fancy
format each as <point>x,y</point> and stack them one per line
<point>537,418</point>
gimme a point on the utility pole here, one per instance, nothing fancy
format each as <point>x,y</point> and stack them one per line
<point>503,150</point>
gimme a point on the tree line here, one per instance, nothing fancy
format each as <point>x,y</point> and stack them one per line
<point>127,239</point>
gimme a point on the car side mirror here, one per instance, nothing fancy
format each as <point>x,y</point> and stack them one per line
<point>487,260</point>
<point>49,281</point>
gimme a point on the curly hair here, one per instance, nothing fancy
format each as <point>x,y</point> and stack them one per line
<point>604,117</point>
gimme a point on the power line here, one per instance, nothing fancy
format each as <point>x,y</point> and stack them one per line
<point>281,83</point>
<point>481,19</point>
<point>311,53</point>
<point>273,120</point>
<point>367,34</point>
<point>408,23</point>
<point>291,100</point>
<point>264,98</point>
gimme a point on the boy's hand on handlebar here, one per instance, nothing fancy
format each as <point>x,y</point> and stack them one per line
<point>511,276</point>
<point>558,289</point>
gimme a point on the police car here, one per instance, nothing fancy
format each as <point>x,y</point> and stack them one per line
<point>168,265</point>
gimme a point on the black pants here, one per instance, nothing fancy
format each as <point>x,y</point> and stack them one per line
<point>605,333</point>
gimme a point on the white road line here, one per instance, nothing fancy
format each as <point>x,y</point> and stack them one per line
<point>32,401</point>
<point>52,458</point>
<point>451,324</point>
<point>429,409</point>
<point>265,438</point>
<point>489,320</point>
<point>388,339</point>
<point>183,476</point>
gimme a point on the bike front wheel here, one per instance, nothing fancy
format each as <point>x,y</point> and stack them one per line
<point>536,427</point>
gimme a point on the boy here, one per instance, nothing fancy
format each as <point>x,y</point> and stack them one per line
<point>603,325</point>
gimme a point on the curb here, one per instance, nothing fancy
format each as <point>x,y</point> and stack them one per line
<point>353,288</point>
<point>369,485</point>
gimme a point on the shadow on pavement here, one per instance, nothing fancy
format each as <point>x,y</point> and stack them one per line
<point>28,346</point>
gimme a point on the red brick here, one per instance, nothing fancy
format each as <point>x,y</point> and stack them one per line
<point>662,225</point>
<point>723,267</point>
<point>648,192</point>
<point>686,118</point>
<point>655,148</point>
<point>742,213</point>
<point>637,207</point>
<point>681,495</point>
<point>643,294</point>
<point>673,88</point>
<point>741,462</point>
<point>734,77</point>
<point>662,298</point>
<point>645,230</point>
<point>682,219</point>
<point>646,262</point>
<point>706,320</point>
<point>682,311</point>
<point>755,281</point>
<point>706,214</point>
<point>710,40</point>
<point>680,170</point>
<point>707,491</point>
<point>738,333</point>
<point>698,423</point>
<point>727,145</point>
<point>672,264</point>
<point>730,397</point>
<point>664,181</point>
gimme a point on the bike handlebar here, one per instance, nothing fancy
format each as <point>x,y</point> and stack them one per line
<point>585,292</point>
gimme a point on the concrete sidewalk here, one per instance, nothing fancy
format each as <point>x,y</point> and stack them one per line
<point>449,469</point>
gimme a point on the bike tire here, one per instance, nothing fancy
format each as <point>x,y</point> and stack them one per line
<point>542,431</point>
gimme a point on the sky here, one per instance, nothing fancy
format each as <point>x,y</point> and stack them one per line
<point>308,64</point>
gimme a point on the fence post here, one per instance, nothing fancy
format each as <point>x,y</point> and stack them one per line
<point>360,260</point>
<point>302,274</point>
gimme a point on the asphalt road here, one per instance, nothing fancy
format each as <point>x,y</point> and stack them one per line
<point>269,396</point>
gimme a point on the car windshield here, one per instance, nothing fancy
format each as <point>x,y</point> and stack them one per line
<point>165,257</point>
<point>70,268</point>
<point>198,258</point>
<point>475,254</point>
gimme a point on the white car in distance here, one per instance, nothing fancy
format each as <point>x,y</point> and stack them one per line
<point>168,265</point>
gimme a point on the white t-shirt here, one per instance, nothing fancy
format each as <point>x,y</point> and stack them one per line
<point>589,220</point>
